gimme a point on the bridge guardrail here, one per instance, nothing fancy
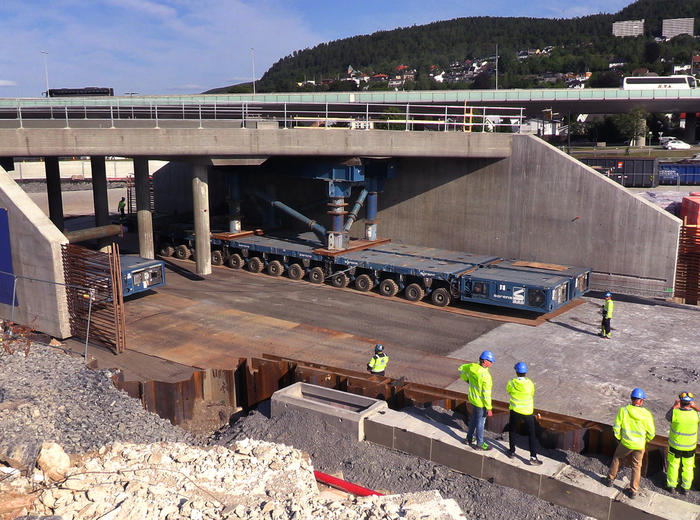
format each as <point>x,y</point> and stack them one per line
<point>358,116</point>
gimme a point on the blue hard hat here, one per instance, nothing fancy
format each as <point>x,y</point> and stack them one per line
<point>608,295</point>
<point>379,348</point>
<point>638,393</point>
<point>521,368</point>
<point>488,356</point>
<point>686,397</point>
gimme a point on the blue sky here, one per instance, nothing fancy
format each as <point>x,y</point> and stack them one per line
<point>174,47</point>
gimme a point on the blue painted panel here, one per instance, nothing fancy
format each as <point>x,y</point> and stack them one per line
<point>6,280</point>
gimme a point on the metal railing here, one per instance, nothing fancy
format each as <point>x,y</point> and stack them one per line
<point>123,112</point>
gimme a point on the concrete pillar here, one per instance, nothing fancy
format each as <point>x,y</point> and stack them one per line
<point>143,208</point>
<point>99,195</point>
<point>53,190</point>
<point>200,200</point>
<point>691,121</point>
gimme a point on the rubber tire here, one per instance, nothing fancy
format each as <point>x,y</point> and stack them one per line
<point>440,297</point>
<point>217,258</point>
<point>364,283</point>
<point>388,288</point>
<point>340,280</point>
<point>255,265</point>
<point>235,261</point>
<point>166,250</point>
<point>414,292</point>
<point>182,252</point>
<point>295,272</point>
<point>275,268</point>
<point>316,275</point>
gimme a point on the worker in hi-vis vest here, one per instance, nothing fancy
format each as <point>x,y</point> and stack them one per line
<point>480,385</point>
<point>607,312</point>
<point>682,441</point>
<point>634,427</point>
<point>521,391</point>
<point>377,363</point>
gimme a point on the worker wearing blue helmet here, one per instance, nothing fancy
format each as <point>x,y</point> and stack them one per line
<point>607,312</point>
<point>521,391</point>
<point>634,427</point>
<point>480,385</point>
<point>378,362</point>
<point>682,442</point>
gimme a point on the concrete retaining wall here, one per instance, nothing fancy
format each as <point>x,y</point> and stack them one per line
<point>539,204</point>
<point>36,253</point>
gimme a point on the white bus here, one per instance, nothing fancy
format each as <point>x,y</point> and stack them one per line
<point>658,82</point>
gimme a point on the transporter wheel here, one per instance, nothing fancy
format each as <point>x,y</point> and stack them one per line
<point>255,265</point>
<point>316,275</point>
<point>364,283</point>
<point>388,288</point>
<point>295,272</point>
<point>440,297</point>
<point>340,280</point>
<point>275,268</point>
<point>235,261</point>
<point>414,292</point>
<point>217,258</point>
<point>182,252</point>
<point>166,250</point>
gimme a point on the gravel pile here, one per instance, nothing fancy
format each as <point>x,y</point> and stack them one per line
<point>51,396</point>
<point>379,468</point>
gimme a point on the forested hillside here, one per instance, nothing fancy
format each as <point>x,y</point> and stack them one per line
<point>574,45</point>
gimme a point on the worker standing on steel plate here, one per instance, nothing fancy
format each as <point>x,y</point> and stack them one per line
<point>634,427</point>
<point>120,207</point>
<point>682,441</point>
<point>521,391</point>
<point>607,311</point>
<point>480,385</point>
<point>377,363</point>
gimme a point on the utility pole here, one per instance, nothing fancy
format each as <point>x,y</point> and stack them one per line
<point>252,58</point>
<point>496,66</point>
<point>46,71</point>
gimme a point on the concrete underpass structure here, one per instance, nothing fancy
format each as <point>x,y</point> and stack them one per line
<point>500,194</point>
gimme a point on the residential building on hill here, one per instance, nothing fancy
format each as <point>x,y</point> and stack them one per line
<point>675,26</point>
<point>628,28</point>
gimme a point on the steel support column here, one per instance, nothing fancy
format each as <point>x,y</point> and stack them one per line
<point>200,200</point>
<point>53,190</point>
<point>143,207</point>
<point>99,195</point>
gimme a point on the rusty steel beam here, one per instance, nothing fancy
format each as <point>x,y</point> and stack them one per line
<point>81,235</point>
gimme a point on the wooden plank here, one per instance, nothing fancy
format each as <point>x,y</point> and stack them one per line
<point>354,245</point>
<point>540,265</point>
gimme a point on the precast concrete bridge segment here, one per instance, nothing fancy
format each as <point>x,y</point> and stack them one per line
<point>502,194</point>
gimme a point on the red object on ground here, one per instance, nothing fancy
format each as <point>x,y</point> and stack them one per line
<point>330,480</point>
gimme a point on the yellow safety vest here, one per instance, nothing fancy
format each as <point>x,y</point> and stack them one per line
<point>634,426</point>
<point>378,363</point>
<point>684,430</point>
<point>480,384</point>
<point>522,395</point>
<point>608,307</point>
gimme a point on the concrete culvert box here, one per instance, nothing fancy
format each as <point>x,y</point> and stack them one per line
<point>349,410</point>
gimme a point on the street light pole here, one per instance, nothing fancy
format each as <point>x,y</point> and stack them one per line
<point>252,58</point>
<point>46,71</point>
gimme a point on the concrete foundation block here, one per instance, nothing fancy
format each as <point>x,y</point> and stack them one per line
<point>415,443</point>
<point>652,506</point>
<point>349,409</point>
<point>511,475</point>
<point>578,491</point>
<point>457,456</point>
<point>379,429</point>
